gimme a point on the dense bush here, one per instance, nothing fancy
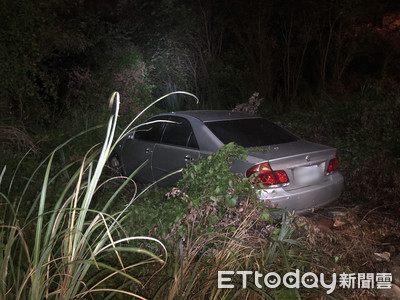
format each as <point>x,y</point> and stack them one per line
<point>361,127</point>
<point>211,178</point>
<point>206,183</point>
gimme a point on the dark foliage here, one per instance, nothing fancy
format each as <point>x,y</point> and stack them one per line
<point>296,54</point>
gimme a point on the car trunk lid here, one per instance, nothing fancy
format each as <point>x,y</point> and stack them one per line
<point>305,163</point>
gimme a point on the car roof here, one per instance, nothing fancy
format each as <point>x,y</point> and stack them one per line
<point>214,115</point>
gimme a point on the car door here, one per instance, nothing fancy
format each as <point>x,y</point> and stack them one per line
<point>138,148</point>
<point>178,147</point>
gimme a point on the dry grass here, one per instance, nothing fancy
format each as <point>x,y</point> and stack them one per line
<point>196,270</point>
<point>239,241</point>
<point>19,138</point>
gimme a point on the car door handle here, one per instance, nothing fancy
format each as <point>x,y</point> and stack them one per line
<point>188,158</point>
<point>148,150</point>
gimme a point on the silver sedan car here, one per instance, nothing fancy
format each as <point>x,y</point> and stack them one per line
<point>290,172</point>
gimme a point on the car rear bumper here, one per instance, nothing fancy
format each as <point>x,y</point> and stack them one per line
<point>308,198</point>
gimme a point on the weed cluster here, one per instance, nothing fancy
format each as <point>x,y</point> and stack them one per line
<point>53,250</point>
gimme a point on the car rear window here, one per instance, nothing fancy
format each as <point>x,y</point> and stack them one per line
<point>250,132</point>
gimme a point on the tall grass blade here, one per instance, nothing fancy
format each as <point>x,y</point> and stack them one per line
<point>72,237</point>
<point>2,174</point>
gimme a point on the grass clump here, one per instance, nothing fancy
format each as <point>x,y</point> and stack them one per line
<point>63,247</point>
<point>240,240</point>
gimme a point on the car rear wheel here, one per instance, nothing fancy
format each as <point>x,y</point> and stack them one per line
<point>115,163</point>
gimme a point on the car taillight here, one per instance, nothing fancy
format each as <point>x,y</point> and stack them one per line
<point>333,164</point>
<point>265,176</point>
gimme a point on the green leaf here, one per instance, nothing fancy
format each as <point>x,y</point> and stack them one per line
<point>266,216</point>
<point>231,200</point>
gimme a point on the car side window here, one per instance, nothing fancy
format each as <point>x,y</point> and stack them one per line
<point>192,143</point>
<point>150,132</point>
<point>179,134</point>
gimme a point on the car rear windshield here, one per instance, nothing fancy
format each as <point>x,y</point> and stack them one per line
<point>250,132</point>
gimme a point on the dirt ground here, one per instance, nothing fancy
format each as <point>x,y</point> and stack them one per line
<point>361,231</point>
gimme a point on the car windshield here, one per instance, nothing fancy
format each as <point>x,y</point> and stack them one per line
<point>250,132</point>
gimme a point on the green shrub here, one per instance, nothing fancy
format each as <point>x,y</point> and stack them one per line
<point>212,179</point>
<point>208,183</point>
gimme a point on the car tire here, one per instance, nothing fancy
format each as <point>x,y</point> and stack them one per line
<point>115,163</point>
